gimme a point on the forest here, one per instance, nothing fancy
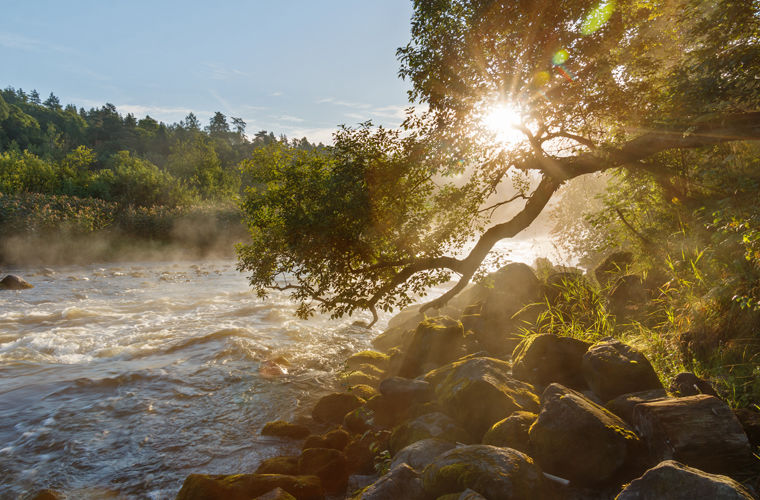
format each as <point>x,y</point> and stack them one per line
<point>73,171</point>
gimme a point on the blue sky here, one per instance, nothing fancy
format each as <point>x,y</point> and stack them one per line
<point>298,67</point>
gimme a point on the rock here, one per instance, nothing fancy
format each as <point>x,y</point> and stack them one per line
<point>576,439</point>
<point>627,294</point>
<point>431,425</point>
<point>363,391</point>
<point>688,384</point>
<point>436,341</point>
<point>384,414</point>
<point>327,464</point>
<point>276,494</point>
<point>333,407</point>
<point>247,486</point>
<point>45,495</point>
<point>467,494</point>
<point>750,421</point>
<point>359,420</point>
<point>674,481</point>
<point>699,431</point>
<point>393,337</point>
<point>612,368</point>
<point>613,265</point>
<point>374,358</point>
<point>400,482</point>
<point>280,428</point>
<point>543,359</point>
<point>479,392</point>
<point>493,472</point>
<point>336,439</point>
<point>623,405</point>
<point>361,459</point>
<point>512,432</point>
<point>279,465</point>
<point>400,392</point>
<point>420,454</point>
<point>13,282</point>
<point>354,378</point>
<point>370,370</point>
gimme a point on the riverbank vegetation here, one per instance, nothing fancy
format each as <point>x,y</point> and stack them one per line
<point>68,172</point>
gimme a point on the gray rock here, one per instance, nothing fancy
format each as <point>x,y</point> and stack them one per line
<point>420,454</point>
<point>612,368</point>
<point>576,439</point>
<point>674,481</point>
<point>400,482</point>
<point>688,384</point>
<point>430,425</point>
<point>13,282</point>
<point>543,359</point>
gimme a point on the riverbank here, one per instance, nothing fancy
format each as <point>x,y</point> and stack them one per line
<point>470,408</point>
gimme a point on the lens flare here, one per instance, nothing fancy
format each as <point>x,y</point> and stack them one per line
<point>502,120</point>
<point>597,17</point>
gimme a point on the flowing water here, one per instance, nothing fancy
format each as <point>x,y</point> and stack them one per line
<point>119,380</point>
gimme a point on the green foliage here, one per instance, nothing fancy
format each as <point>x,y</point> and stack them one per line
<point>27,213</point>
<point>340,222</point>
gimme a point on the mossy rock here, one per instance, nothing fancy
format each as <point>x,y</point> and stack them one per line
<point>512,432</point>
<point>364,391</point>
<point>400,482</point>
<point>276,494</point>
<point>359,420</point>
<point>374,358</point>
<point>369,369</point>
<point>431,425</point>
<point>393,337</point>
<point>335,439</point>
<point>333,407</point>
<point>279,465</point>
<point>280,428</point>
<point>436,341</point>
<point>576,439</point>
<point>328,464</point>
<point>420,454</point>
<point>467,494</point>
<point>247,486</point>
<point>493,472</point>
<point>354,378</point>
<point>479,392</point>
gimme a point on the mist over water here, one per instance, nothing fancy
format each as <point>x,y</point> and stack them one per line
<point>123,379</point>
<point>119,380</point>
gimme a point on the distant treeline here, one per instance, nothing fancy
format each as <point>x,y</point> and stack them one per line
<point>48,148</point>
<point>70,171</point>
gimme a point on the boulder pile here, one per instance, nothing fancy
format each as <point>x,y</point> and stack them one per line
<point>467,409</point>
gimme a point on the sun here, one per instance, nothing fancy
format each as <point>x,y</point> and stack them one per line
<point>502,120</point>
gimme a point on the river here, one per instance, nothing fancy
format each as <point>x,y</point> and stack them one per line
<point>119,380</point>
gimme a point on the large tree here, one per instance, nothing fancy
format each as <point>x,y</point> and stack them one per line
<point>589,86</point>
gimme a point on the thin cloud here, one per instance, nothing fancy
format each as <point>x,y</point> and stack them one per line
<point>216,72</point>
<point>221,100</point>
<point>21,42</point>
<point>277,93</point>
<point>348,104</point>
<point>290,118</point>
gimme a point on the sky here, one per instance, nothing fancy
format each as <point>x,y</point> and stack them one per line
<point>295,67</point>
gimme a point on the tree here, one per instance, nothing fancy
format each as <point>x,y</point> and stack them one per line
<point>218,124</point>
<point>594,87</point>
<point>52,102</point>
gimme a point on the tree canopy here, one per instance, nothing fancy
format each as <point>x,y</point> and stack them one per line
<point>593,86</point>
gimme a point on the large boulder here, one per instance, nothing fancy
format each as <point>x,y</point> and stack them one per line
<point>750,420</point>
<point>333,407</point>
<point>394,337</point>
<point>420,454</point>
<point>247,486</point>
<point>374,358</point>
<point>329,465</point>
<point>543,359</point>
<point>430,425</point>
<point>700,431</point>
<point>404,392</point>
<point>400,482</point>
<point>674,481</point>
<point>512,432</point>
<point>623,405</point>
<point>576,439</point>
<point>276,494</point>
<point>13,282</point>
<point>478,392</point>
<point>612,368</point>
<point>279,465</point>
<point>495,473</point>
<point>436,341</point>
